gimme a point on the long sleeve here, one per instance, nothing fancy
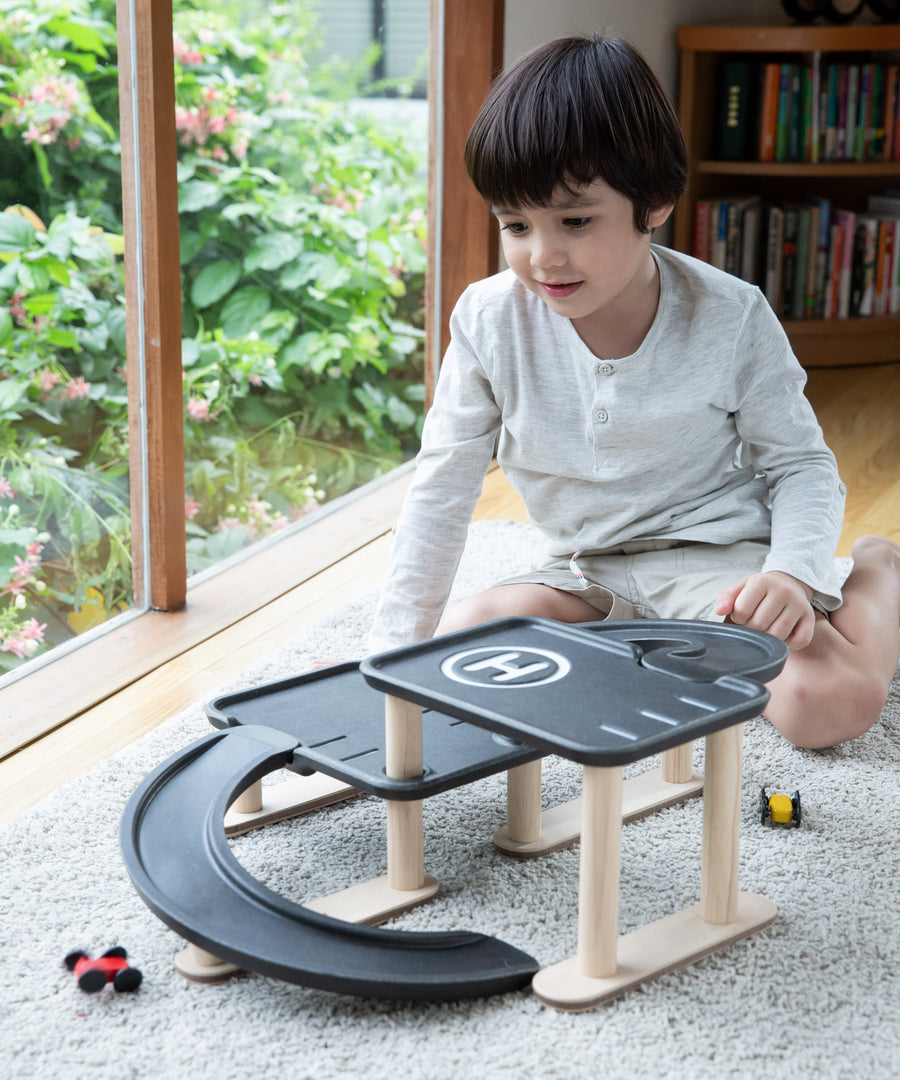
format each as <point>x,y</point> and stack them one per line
<point>458,443</point>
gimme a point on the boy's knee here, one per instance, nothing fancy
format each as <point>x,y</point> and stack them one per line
<point>814,713</point>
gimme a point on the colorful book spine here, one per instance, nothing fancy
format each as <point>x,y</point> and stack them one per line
<point>769,111</point>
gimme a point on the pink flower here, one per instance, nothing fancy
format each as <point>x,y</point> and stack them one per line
<point>24,641</point>
<point>48,380</point>
<point>6,489</point>
<point>78,388</point>
<point>191,507</point>
<point>198,409</point>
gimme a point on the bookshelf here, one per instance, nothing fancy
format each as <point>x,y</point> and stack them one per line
<point>847,184</point>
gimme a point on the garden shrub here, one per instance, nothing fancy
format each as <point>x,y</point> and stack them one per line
<point>302,251</point>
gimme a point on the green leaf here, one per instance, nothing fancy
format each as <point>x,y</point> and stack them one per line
<point>214,281</point>
<point>272,250</point>
<point>6,324</point>
<point>243,311</point>
<point>116,323</point>
<point>81,34</point>
<point>197,195</point>
<point>16,234</point>
<point>63,339</point>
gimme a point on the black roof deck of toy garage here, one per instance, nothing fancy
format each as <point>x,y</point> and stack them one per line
<point>598,694</point>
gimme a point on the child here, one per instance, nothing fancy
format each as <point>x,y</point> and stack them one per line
<point>647,408</point>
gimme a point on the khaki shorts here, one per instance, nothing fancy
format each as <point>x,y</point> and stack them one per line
<point>653,579</point>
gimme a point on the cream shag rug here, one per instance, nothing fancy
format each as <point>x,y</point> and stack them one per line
<point>816,996</point>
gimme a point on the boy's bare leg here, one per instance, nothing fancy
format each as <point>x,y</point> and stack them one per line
<point>835,688</point>
<point>525,598</point>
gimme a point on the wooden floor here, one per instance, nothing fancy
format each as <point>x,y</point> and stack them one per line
<point>859,409</point>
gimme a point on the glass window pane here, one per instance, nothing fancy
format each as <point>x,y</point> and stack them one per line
<point>65,562</point>
<point>302,172</point>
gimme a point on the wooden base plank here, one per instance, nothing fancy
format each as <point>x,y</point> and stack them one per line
<point>198,966</point>
<point>373,902</point>
<point>561,825</point>
<point>293,796</point>
<point>651,951</point>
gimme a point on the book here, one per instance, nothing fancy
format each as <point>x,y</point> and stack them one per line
<point>798,307</point>
<point>832,96</point>
<point>734,109</point>
<point>807,112</point>
<point>852,111</point>
<point>749,270</point>
<point>864,115</point>
<point>788,260</point>
<point>769,111</point>
<point>813,259</point>
<point>774,254</point>
<point>718,233</point>
<point>890,112</point>
<point>784,111</point>
<point>700,249</point>
<point>884,251</point>
<point>846,222</point>
<point>862,290</point>
<point>894,290</point>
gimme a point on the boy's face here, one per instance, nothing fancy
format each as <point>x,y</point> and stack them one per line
<point>581,254</point>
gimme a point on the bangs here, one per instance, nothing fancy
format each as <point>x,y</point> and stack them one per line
<point>528,143</point>
<point>573,111</point>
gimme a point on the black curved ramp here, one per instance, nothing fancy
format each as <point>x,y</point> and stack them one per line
<point>174,847</point>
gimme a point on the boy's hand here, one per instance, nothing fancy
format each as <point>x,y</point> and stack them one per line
<point>772,601</point>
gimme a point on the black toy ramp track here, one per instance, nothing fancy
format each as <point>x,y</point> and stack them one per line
<point>174,847</point>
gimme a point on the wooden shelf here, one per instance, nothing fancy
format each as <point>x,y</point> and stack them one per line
<point>879,170</point>
<point>787,38</point>
<point>817,343</point>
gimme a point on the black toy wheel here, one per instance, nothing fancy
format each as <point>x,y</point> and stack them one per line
<point>763,806</point>
<point>118,952</point>
<point>840,11</point>
<point>796,812</point>
<point>127,979</point>
<point>92,981</point>
<point>801,10</point>
<point>72,959</point>
<point>889,10</point>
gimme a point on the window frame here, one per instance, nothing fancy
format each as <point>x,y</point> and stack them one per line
<point>466,48</point>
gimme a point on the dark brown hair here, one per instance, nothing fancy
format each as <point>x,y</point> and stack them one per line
<point>575,110</point>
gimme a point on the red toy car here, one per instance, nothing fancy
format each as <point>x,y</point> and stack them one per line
<point>112,966</point>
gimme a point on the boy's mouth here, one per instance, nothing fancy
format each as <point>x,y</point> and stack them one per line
<point>560,290</point>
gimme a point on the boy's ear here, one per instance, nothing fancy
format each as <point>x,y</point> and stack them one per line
<point>661,215</point>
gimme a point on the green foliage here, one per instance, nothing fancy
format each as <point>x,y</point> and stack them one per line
<point>302,251</point>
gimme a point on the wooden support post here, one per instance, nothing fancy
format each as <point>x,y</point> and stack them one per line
<point>721,826</point>
<point>249,801</point>
<point>405,836</point>
<point>406,883</point>
<point>677,764</point>
<point>523,803</point>
<point>598,888</point>
<point>199,966</point>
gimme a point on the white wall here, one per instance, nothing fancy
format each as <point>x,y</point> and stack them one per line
<point>649,24</point>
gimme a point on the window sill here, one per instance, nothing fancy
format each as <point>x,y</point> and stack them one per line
<point>63,689</point>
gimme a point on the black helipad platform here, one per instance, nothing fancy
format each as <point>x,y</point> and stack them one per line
<point>602,694</point>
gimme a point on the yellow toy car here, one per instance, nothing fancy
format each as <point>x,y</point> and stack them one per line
<point>776,809</point>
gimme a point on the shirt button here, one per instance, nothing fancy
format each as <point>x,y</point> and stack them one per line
<point>605,369</point>
<point>601,416</point>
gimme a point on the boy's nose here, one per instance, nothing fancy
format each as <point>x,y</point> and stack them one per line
<point>545,254</point>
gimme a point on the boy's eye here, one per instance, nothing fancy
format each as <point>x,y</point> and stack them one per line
<point>577,222</point>
<point>515,227</point>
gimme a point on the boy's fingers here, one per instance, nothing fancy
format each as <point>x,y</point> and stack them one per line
<point>727,597</point>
